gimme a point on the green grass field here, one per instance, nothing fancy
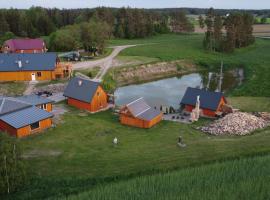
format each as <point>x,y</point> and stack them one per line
<point>231,180</point>
<point>79,154</point>
<point>12,88</point>
<point>254,59</point>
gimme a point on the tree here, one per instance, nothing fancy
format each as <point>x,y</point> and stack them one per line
<point>263,20</point>
<point>201,22</point>
<point>180,22</point>
<point>218,39</point>
<point>4,27</point>
<point>12,173</point>
<point>209,35</point>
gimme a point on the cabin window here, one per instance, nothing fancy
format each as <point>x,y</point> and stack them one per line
<point>34,126</point>
<point>39,74</point>
<point>43,106</point>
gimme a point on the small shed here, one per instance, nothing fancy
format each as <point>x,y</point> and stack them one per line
<point>38,101</point>
<point>211,103</point>
<point>21,119</point>
<point>139,114</point>
<point>86,94</point>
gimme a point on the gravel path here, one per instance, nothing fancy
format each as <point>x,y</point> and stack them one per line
<point>104,63</point>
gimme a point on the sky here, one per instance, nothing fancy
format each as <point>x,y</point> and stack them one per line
<point>237,4</point>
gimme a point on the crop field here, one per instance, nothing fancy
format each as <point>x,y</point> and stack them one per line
<point>78,154</point>
<point>254,59</point>
<point>231,180</point>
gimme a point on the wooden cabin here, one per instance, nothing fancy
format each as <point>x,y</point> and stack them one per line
<point>24,45</point>
<point>32,67</point>
<point>38,101</point>
<point>139,114</point>
<point>21,119</point>
<point>211,103</point>
<point>86,94</point>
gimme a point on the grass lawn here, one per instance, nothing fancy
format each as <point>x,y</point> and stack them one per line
<point>254,59</point>
<point>231,180</point>
<point>91,73</point>
<point>78,154</point>
<point>131,61</point>
<point>12,88</point>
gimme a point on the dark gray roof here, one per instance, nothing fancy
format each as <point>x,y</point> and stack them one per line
<point>8,105</point>
<point>140,109</point>
<point>27,62</point>
<point>149,114</point>
<point>25,117</point>
<point>35,99</point>
<point>83,92</point>
<point>208,100</point>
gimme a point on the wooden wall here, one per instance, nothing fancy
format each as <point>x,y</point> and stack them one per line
<point>26,76</point>
<point>207,112</point>
<point>99,102</point>
<point>25,131</point>
<point>136,122</point>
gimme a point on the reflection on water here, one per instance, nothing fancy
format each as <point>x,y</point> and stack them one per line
<point>169,91</point>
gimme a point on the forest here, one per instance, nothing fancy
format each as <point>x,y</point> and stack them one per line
<point>73,29</point>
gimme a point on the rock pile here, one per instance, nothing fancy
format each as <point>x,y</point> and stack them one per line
<point>238,123</point>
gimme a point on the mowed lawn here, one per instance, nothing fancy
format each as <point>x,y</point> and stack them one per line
<point>230,180</point>
<point>254,59</point>
<point>79,153</point>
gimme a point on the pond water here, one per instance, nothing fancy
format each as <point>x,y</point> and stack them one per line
<point>169,91</point>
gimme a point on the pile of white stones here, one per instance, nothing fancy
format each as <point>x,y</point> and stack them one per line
<point>238,123</point>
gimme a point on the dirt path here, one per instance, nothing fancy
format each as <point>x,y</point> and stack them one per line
<point>30,88</point>
<point>104,63</point>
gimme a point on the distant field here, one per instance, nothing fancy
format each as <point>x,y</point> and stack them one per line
<point>258,30</point>
<point>231,180</point>
<point>254,59</point>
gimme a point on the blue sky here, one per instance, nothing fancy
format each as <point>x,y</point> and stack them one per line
<point>243,4</point>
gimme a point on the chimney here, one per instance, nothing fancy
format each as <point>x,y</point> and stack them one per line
<point>20,64</point>
<point>80,82</point>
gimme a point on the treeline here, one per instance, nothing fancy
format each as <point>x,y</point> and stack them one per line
<point>70,29</point>
<point>225,33</point>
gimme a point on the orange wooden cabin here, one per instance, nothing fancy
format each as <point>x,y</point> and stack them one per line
<point>21,119</point>
<point>139,114</point>
<point>24,45</point>
<point>38,101</point>
<point>211,103</point>
<point>86,94</point>
<point>32,67</point>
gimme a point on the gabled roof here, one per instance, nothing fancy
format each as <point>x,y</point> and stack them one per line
<point>27,62</point>
<point>8,105</point>
<point>208,100</point>
<point>25,117</point>
<point>25,44</point>
<point>35,99</point>
<point>140,109</point>
<point>84,92</point>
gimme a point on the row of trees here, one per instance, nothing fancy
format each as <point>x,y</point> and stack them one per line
<point>227,33</point>
<point>126,22</point>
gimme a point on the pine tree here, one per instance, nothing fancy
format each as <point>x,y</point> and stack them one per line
<point>4,27</point>
<point>218,39</point>
<point>201,22</point>
<point>209,35</point>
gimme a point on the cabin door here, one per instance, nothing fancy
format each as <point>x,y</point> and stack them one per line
<point>33,75</point>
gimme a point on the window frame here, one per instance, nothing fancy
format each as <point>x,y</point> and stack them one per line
<point>33,127</point>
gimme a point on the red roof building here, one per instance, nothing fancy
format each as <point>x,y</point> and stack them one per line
<point>24,46</point>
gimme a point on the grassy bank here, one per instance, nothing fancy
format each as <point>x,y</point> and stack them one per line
<point>12,88</point>
<point>79,154</point>
<point>232,180</point>
<point>254,59</point>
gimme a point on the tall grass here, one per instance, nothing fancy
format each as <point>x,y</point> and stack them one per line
<point>239,179</point>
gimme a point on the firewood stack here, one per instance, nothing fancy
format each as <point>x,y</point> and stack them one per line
<point>238,123</point>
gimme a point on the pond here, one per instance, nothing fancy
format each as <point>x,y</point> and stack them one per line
<point>169,91</point>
